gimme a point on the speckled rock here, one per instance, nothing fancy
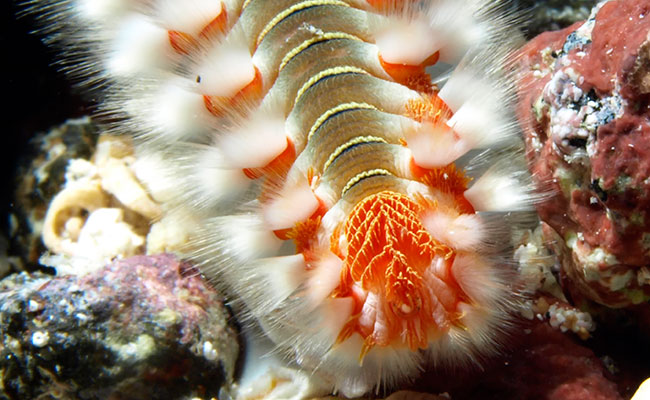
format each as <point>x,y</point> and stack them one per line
<point>39,177</point>
<point>140,328</point>
<point>584,106</point>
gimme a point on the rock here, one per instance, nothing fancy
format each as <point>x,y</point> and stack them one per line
<point>39,177</point>
<point>546,15</point>
<point>553,366</point>
<point>547,365</point>
<point>140,328</point>
<point>105,209</point>
<point>584,107</point>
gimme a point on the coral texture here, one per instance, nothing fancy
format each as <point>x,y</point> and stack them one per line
<point>585,109</point>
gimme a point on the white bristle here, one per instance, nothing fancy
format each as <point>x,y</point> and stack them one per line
<point>458,89</point>
<point>101,10</point>
<point>406,42</point>
<point>481,323</point>
<point>476,277</point>
<point>188,16</point>
<point>174,112</point>
<point>150,169</point>
<point>461,232</point>
<point>323,278</point>
<point>202,178</point>
<point>336,312</point>
<point>141,47</point>
<point>295,202</point>
<point>456,26</point>
<point>255,144</point>
<point>226,69</point>
<point>470,24</point>
<point>332,217</point>
<point>496,191</point>
<point>239,240</point>
<point>280,277</point>
<point>479,116</point>
<point>479,123</point>
<point>212,181</point>
<point>403,363</point>
<point>326,194</point>
<point>434,145</point>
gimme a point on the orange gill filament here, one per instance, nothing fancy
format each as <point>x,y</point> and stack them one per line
<point>448,179</point>
<point>412,76</point>
<point>304,235</point>
<point>388,253</point>
<point>429,108</point>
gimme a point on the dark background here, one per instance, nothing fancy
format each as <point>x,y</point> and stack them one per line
<point>34,95</point>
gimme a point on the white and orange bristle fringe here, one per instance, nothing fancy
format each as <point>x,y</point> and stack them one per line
<point>352,163</point>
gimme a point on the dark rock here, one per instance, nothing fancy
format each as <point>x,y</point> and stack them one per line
<point>140,328</point>
<point>39,176</point>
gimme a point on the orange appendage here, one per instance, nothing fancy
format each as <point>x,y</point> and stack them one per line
<point>429,108</point>
<point>217,26</point>
<point>447,179</point>
<point>181,42</point>
<point>278,166</point>
<point>389,253</point>
<point>412,76</point>
<point>184,43</point>
<point>219,105</point>
<point>304,233</point>
<point>304,236</point>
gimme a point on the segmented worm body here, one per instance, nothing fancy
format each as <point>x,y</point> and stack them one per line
<point>351,202</point>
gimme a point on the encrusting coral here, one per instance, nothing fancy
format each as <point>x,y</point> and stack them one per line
<point>584,102</point>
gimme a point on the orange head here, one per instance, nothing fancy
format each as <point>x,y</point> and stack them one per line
<point>409,295</point>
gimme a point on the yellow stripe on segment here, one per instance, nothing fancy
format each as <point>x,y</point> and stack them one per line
<point>353,142</point>
<point>320,38</point>
<point>363,175</point>
<point>337,109</point>
<point>324,74</point>
<point>296,7</point>
<point>245,4</point>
